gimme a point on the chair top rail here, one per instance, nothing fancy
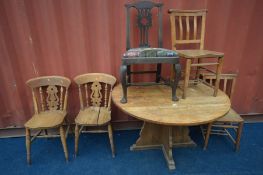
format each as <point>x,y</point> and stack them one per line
<point>92,77</point>
<point>48,80</point>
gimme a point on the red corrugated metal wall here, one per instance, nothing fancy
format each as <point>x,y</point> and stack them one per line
<point>66,37</point>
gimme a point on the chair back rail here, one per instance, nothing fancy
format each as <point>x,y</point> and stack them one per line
<point>95,89</point>
<point>187,27</point>
<point>227,81</point>
<point>49,93</point>
<point>144,22</point>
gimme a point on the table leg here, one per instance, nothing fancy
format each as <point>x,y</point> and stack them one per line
<point>154,136</point>
<point>218,73</point>
<point>187,76</point>
<point>177,68</point>
<point>123,73</point>
<point>167,146</point>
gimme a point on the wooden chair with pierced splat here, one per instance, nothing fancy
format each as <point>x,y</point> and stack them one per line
<point>231,120</point>
<point>188,29</point>
<point>95,102</point>
<point>50,94</point>
<point>148,16</point>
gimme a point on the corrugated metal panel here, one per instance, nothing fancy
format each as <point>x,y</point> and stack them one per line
<point>65,37</point>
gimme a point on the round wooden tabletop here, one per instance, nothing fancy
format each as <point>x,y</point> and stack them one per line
<point>154,104</point>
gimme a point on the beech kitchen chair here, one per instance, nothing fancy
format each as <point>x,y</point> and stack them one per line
<point>50,95</point>
<point>231,120</point>
<point>188,29</point>
<point>95,104</point>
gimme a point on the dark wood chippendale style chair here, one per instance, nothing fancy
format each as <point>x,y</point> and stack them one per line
<point>50,95</point>
<point>231,120</point>
<point>144,23</point>
<point>145,54</point>
<point>188,28</point>
<point>95,104</point>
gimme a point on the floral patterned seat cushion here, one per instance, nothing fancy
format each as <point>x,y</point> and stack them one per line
<point>149,52</point>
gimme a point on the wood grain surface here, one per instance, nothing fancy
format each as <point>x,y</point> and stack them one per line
<point>154,104</point>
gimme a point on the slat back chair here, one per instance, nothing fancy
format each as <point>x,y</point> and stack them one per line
<point>144,22</point>
<point>95,91</point>
<point>50,96</point>
<point>188,29</point>
<point>227,82</point>
<point>231,120</point>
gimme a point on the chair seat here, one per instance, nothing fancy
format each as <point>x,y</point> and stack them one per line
<point>93,116</point>
<point>199,54</point>
<point>231,116</point>
<point>149,52</point>
<point>46,119</point>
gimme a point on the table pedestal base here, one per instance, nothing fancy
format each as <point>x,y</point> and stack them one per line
<point>154,136</point>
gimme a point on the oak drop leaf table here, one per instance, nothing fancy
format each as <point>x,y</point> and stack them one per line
<point>165,121</point>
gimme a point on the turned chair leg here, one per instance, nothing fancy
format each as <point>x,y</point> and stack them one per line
<point>187,76</point>
<point>158,73</point>
<point>198,70</point>
<point>28,145</point>
<point>111,140</point>
<point>76,139</point>
<point>239,132</point>
<point>63,140</point>
<point>208,131</point>
<point>67,123</point>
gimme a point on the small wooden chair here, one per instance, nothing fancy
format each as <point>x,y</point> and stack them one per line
<point>188,28</point>
<point>95,102</point>
<point>230,120</point>
<point>50,94</point>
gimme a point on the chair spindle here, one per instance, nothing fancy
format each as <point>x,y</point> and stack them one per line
<point>34,101</point>
<point>105,95</point>
<point>86,94</point>
<point>225,83</point>
<point>181,27</point>
<point>80,98</point>
<point>41,99</point>
<point>109,101</point>
<point>61,98</point>
<point>187,28</point>
<point>195,27</point>
<point>203,32</point>
<point>232,88</point>
<point>65,100</point>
